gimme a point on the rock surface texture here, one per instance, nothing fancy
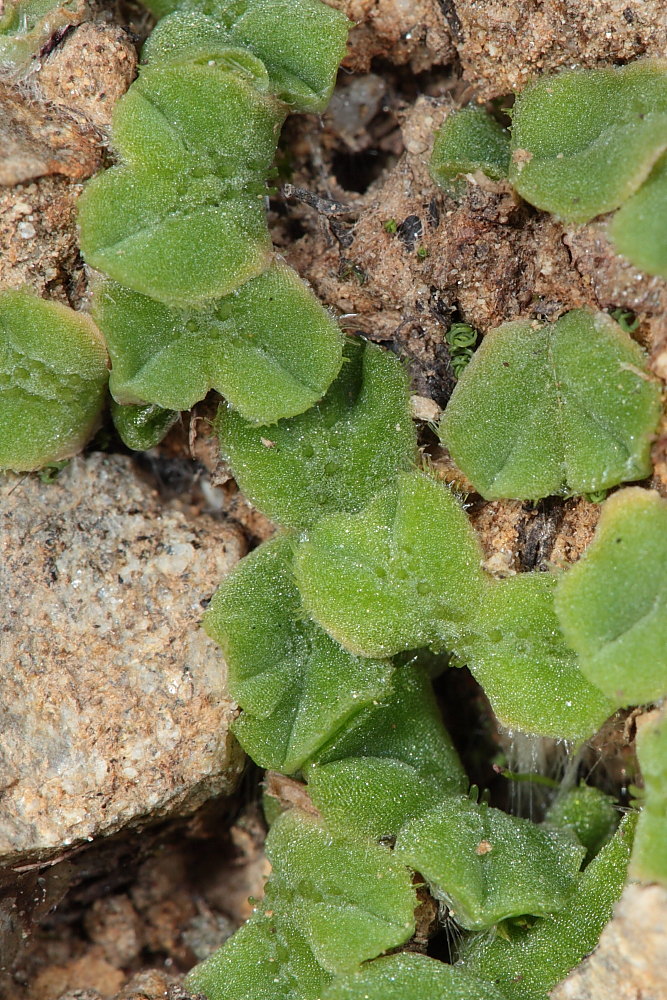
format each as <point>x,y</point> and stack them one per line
<point>629,962</point>
<point>113,706</point>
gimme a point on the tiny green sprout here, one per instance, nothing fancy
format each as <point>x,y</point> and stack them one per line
<point>584,141</point>
<point>461,339</point>
<point>649,857</point>
<point>488,866</point>
<point>469,140</point>
<point>390,226</point>
<point>250,346</point>
<point>410,976</point>
<point>460,360</point>
<point>422,252</point>
<point>349,270</point>
<point>526,963</point>
<point>597,496</point>
<point>338,454</point>
<point>526,777</point>
<point>626,319</point>
<point>50,472</point>
<point>53,381</point>
<point>612,604</point>
<point>567,408</point>
<point>461,335</point>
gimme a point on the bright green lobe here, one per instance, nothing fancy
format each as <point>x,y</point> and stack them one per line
<point>142,427</point>
<point>371,797</point>
<point>269,347</point>
<point>351,902</point>
<point>338,454</point>
<point>330,904</point>
<point>262,961</point>
<point>182,219</point>
<point>565,409</point>
<point>301,42</point>
<point>403,573</point>
<point>469,140</point>
<point>649,857</point>
<point>639,228</point>
<point>406,726</point>
<point>53,379</point>
<point>612,604</point>
<point>395,763</point>
<point>532,678</point>
<point>409,976</point>
<point>584,141</point>
<point>298,686</point>
<point>533,960</point>
<point>489,866</point>
<point>590,814</point>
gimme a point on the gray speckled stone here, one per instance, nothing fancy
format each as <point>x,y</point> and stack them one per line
<point>113,702</point>
<point>629,961</point>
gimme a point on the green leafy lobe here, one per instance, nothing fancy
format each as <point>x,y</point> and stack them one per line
<point>527,963</point>
<point>589,813</point>
<point>639,228</point>
<point>350,901</point>
<point>269,347</point>
<point>584,141</point>
<point>612,604</point>
<point>330,904</point>
<point>338,454</point>
<point>142,427</point>
<point>568,408</point>
<point>470,140</point>
<point>516,651</point>
<point>371,797</point>
<point>649,857</point>
<point>405,725</point>
<point>267,959</point>
<point>181,219</point>
<point>403,573</point>
<point>53,378</point>
<point>408,976</point>
<point>489,866</point>
<point>298,686</point>
<point>301,42</point>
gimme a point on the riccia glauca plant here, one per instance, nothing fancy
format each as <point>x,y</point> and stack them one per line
<point>194,297</point>
<point>382,578</point>
<point>335,629</point>
<point>582,144</point>
<point>189,294</point>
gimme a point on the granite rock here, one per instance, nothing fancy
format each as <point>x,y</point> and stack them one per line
<point>113,705</point>
<point>629,961</point>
